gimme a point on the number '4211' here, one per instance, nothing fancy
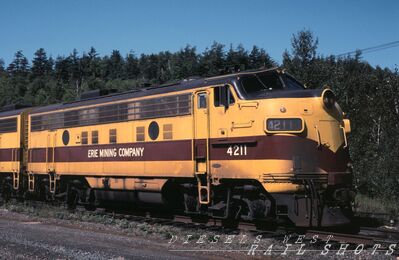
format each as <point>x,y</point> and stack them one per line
<point>237,150</point>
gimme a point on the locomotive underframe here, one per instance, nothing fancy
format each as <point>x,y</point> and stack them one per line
<point>318,204</point>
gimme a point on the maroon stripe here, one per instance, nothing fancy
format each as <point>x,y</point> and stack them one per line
<point>257,147</point>
<point>157,151</point>
<point>6,155</point>
<point>200,151</point>
<point>37,155</point>
<point>280,148</point>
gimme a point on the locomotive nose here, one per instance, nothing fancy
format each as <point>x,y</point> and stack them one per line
<point>310,132</point>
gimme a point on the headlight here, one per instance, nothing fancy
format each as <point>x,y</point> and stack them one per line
<point>284,125</point>
<point>329,98</point>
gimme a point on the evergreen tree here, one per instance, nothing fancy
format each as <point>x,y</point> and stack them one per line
<point>301,60</point>
<point>19,66</point>
<point>259,58</point>
<point>304,46</point>
<point>90,65</point>
<point>41,66</point>
<point>148,65</point>
<point>238,57</point>
<point>62,69</point>
<point>184,63</point>
<point>18,70</point>
<point>132,69</point>
<point>212,60</point>
<point>114,65</point>
<point>2,69</point>
<point>164,70</point>
<point>75,72</point>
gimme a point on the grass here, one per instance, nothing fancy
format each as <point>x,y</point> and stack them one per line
<point>38,212</point>
<point>376,205</point>
<point>54,212</point>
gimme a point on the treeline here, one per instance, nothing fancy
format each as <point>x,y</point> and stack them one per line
<point>369,95</point>
<point>46,80</point>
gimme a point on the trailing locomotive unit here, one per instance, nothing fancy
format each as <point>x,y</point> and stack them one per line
<point>254,145</point>
<point>13,143</point>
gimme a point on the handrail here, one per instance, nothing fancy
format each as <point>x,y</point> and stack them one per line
<point>345,139</point>
<point>318,136</point>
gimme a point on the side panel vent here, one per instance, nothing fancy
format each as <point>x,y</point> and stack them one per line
<point>167,132</point>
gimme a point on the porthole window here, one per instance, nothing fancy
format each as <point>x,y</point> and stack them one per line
<point>65,137</point>
<point>153,130</point>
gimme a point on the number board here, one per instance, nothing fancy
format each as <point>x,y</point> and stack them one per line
<point>284,125</point>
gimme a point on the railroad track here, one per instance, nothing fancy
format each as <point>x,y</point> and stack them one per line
<point>360,238</point>
<point>368,236</point>
<point>376,218</point>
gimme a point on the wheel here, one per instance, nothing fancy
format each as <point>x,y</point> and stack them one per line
<point>6,191</point>
<point>230,223</point>
<point>202,219</point>
<point>90,207</point>
<point>71,199</point>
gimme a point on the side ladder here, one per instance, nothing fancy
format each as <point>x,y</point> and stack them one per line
<point>201,101</point>
<point>25,140</point>
<point>204,187</point>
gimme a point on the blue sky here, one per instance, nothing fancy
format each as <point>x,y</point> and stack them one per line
<point>151,26</point>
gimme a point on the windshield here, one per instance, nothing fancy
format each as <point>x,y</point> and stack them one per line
<point>256,84</point>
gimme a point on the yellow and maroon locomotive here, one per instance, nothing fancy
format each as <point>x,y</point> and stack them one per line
<point>252,145</point>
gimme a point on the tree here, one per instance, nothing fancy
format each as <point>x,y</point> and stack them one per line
<point>75,71</point>
<point>301,60</point>
<point>259,58</point>
<point>148,65</point>
<point>18,70</point>
<point>304,46</point>
<point>132,69</point>
<point>1,66</point>
<point>212,60</point>
<point>90,64</point>
<point>41,66</point>
<point>237,57</point>
<point>184,63</point>
<point>114,65</point>
<point>19,66</point>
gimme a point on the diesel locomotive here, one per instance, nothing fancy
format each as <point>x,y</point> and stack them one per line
<point>251,145</point>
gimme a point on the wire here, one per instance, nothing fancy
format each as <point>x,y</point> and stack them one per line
<point>371,49</point>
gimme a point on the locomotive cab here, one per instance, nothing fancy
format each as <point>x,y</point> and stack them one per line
<point>292,140</point>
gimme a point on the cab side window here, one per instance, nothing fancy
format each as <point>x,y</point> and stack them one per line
<point>202,100</point>
<point>217,94</point>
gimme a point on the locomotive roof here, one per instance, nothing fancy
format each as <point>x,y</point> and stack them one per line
<point>12,112</point>
<point>162,89</point>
